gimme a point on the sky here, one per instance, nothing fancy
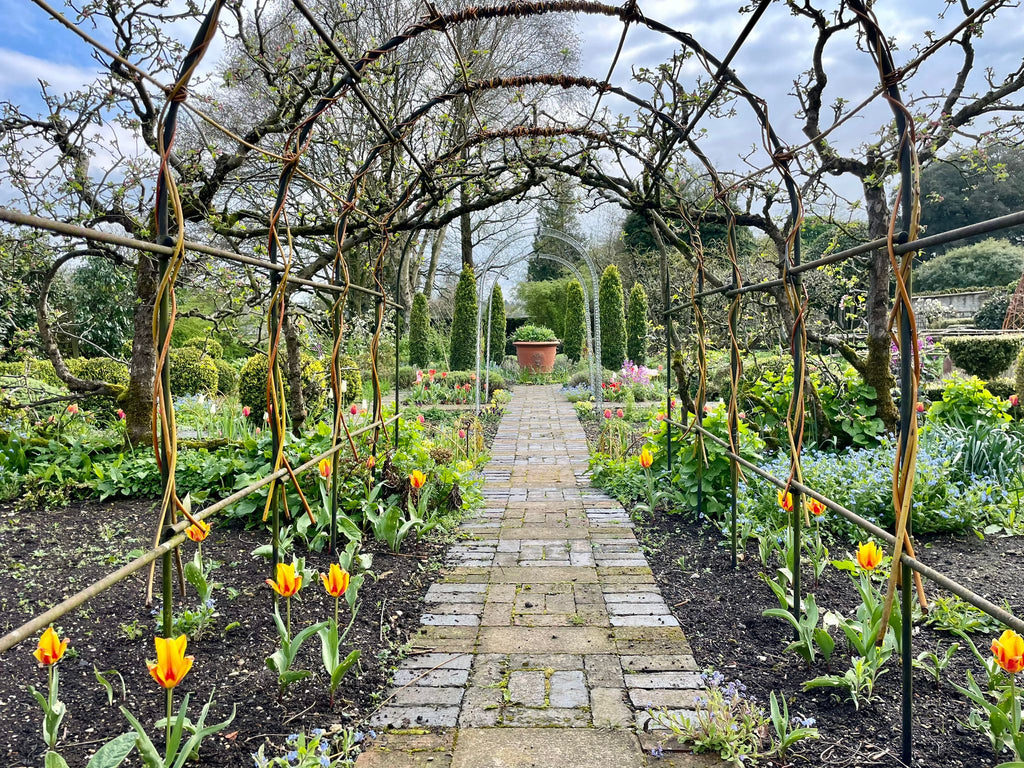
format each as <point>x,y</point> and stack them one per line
<point>32,47</point>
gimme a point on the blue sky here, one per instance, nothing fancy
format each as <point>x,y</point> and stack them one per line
<point>33,47</point>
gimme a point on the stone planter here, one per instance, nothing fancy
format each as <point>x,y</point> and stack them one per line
<point>536,356</point>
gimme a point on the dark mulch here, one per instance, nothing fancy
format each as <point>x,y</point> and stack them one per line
<point>720,611</point>
<point>47,556</point>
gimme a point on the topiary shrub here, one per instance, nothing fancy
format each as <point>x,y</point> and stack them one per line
<point>636,325</point>
<point>1001,387</point>
<point>574,338</point>
<point>227,377</point>
<point>993,312</point>
<point>192,372</point>
<point>497,322</point>
<point>464,337</point>
<point>40,370</point>
<point>252,384</point>
<point>983,356</point>
<point>419,332</point>
<point>406,376</point>
<point>613,319</point>
<point>206,345</point>
<point>350,374</point>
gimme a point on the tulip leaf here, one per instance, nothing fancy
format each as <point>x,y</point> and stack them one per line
<point>108,686</point>
<point>53,760</point>
<point>150,757</point>
<point>114,752</point>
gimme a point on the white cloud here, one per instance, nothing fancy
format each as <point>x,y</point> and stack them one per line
<point>20,72</point>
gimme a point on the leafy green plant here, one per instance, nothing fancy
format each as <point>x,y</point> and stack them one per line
<point>317,750</point>
<point>788,732</point>
<point>860,679</point>
<point>935,662</point>
<point>997,714</point>
<point>965,401</point>
<point>809,634</point>
<point>953,614</point>
<point>280,661</point>
<point>533,333</point>
<point>178,749</point>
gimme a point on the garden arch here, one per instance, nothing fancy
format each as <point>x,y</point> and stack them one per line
<point>171,247</point>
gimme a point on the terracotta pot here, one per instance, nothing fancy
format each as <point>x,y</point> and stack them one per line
<point>537,356</point>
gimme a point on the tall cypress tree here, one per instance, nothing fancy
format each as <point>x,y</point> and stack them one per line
<point>636,325</point>
<point>574,338</point>
<point>613,319</point>
<point>497,325</point>
<point>464,331</point>
<point>419,332</point>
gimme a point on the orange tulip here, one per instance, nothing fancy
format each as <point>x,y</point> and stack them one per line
<point>198,531</point>
<point>1009,651</point>
<point>171,662</point>
<point>288,582</point>
<point>51,648</point>
<point>417,479</point>
<point>325,468</point>
<point>371,462</point>
<point>869,555</point>
<point>786,501</point>
<point>815,507</point>
<point>646,459</point>
<point>335,580</point>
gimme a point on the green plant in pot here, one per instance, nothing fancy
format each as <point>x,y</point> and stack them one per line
<point>535,348</point>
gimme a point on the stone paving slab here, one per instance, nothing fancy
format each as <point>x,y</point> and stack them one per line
<point>546,642</point>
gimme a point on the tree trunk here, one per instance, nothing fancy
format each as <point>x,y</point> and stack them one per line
<point>875,367</point>
<point>293,373</point>
<point>435,258</point>
<point>138,401</point>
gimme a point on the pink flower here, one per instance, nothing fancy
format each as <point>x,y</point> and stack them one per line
<point>619,413</point>
<point>1014,400</point>
<point>120,415</point>
<point>419,418</point>
<point>73,409</point>
<point>353,410</point>
<point>661,417</point>
<point>462,434</point>
<point>444,374</point>
<point>246,411</point>
<point>472,377</point>
<point>607,413</point>
<point>419,377</point>
<point>258,430</point>
<point>919,407</point>
<point>742,414</point>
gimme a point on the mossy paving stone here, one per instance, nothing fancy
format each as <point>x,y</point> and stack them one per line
<point>398,749</point>
<point>546,748</point>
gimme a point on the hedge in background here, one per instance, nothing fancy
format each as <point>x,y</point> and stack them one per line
<point>192,372</point>
<point>40,370</point>
<point>419,332</point>
<point>1020,374</point>
<point>99,369</point>
<point>206,345</point>
<point>636,325</point>
<point>988,263</point>
<point>993,312</point>
<point>464,338</point>
<point>983,356</point>
<point>227,377</point>
<point>574,338</point>
<point>613,319</point>
<point>497,325</point>
<point>351,375</point>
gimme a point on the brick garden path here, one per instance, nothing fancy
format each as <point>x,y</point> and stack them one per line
<point>547,639</point>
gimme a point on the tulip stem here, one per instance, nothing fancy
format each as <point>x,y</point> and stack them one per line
<point>167,724</point>
<point>336,601</point>
<point>288,616</point>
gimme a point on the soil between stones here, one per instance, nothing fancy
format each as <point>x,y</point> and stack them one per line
<point>720,612</point>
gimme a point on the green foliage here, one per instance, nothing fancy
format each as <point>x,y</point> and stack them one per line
<point>993,312</point>
<point>101,306</point>
<point>557,211</point>
<point>637,325</point>
<point>544,303</point>
<point>983,356</point>
<point>613,319</point>
<point>99,369</point>
<point>40,370</point>
<point>533,333</point>
<point>207,345</point>
<point>464,342</point>
<point>227,377</point>
<point>192,372</point>
<point>419,332</point>
<point>966,402</point>
<point>252,384</point>
<point>1019,375</point>
<point>498,325</point>
<point>988,263</point>
<point>406,376</point>
<point>574,336</point>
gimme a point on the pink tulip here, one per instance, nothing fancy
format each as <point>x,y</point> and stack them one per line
<point>353,410</point>
<point>462,434</point>
<point>420,418</point>
<point>619,413</point>
<point>120,415</point>
<point>607,413</point>
<point>246,411</point>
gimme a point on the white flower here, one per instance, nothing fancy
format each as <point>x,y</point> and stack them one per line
<point>201,398</point>
<point>344,386</point>
<point>213,408</point>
